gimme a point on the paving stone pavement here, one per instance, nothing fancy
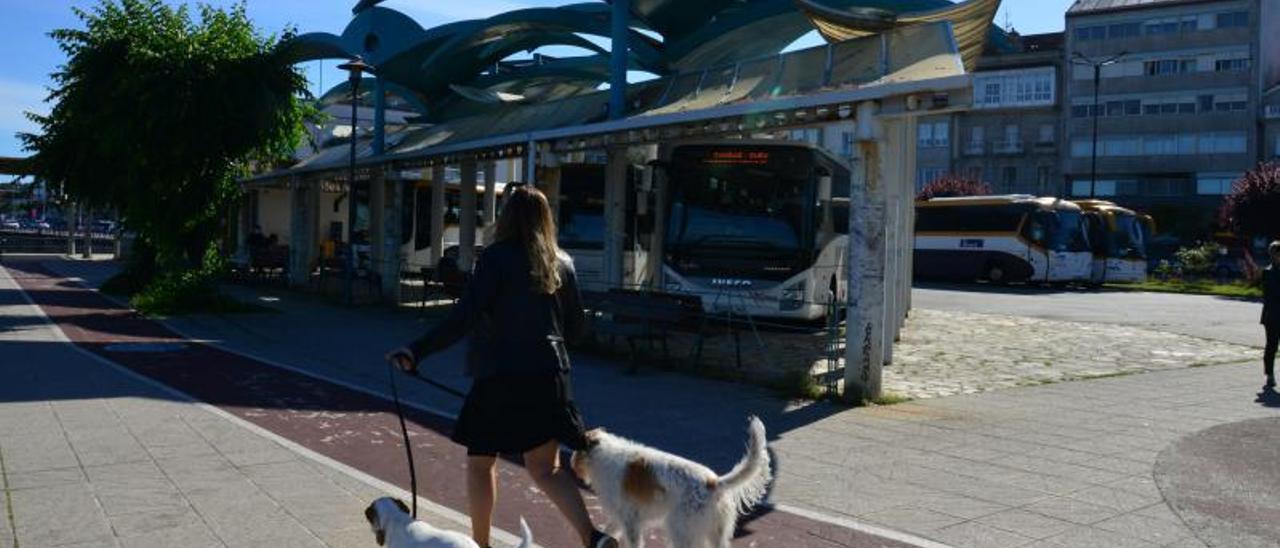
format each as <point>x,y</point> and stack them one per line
<point>1058,465</point>
<point>951,352</point>
<point>94,457</point>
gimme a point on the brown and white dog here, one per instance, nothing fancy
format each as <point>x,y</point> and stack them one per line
<point>640,487</point>
<point>394,528</point>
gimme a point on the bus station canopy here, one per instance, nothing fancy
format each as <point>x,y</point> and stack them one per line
<point>749,91</point>
<point>465,68</point>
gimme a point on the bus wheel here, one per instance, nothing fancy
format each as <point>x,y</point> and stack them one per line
<point>996,274</point>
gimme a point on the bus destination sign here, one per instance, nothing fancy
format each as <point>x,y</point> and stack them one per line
<point>738,157</point>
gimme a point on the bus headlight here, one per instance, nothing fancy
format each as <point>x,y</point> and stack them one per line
<point>792,296</point>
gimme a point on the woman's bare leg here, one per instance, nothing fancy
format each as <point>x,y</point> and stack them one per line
<point>482,491</point>
<point>543,465</point>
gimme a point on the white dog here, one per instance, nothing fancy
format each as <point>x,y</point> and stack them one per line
<point>394,528</point>
<point>640,487</point>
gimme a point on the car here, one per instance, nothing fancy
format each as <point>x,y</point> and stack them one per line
<point>11,224</point>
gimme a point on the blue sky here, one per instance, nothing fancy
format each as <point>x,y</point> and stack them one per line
<point>27,55</point>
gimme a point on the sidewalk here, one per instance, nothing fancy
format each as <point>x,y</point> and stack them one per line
<point>1060,465</point>
<point>95,456</point>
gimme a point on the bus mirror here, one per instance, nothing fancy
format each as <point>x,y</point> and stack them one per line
<point>824,188</point>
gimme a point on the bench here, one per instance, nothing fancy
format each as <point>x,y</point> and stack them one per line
<point>635,315</point>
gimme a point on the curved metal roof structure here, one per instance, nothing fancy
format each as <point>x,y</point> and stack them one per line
<point>464,68</point>
<point>971,21</point>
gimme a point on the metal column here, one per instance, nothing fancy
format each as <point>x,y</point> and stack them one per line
<point>615,215</point>
<point>618,58</point>
<point>437,214</point>
<point>467,224</point>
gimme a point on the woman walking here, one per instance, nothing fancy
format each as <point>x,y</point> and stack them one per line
<point>1271,312</point>
<point>521,305</point>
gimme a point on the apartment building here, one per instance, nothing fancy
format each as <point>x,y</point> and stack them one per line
<point>1180,106</point>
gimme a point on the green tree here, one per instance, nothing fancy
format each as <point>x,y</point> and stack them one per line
<point>156,114</point>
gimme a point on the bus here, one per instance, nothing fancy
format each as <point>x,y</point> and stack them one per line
<point>415,218</point>
<point>756,228</point>
<point>1000,239</point>
<point>581,224</point>
<point>1119,239</point>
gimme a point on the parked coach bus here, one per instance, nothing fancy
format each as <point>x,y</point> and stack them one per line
<point>1119,239</point>
<point>1014,238</point>
<point>415,244</point>
<point>757,228</point>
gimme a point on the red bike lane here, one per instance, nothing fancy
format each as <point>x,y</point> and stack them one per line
<point>352,427</point>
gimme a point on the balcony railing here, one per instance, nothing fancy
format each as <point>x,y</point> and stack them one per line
<point>1272,112</point>
<point>975,148</point>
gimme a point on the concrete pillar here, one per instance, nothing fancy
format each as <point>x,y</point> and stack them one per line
<point>490,194</point>
<point>467,224</point>
<point>619,55</point>
<point>437,214</point>
<point>390,235</point>
<point>70,217</point>
<point>615,216</point>
<point>863,345</point>
<point>304,209</point>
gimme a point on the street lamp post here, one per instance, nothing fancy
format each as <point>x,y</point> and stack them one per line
<point>356,67</point>
<point>1082,59</point>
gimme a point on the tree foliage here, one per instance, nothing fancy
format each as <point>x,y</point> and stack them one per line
<point>156,113</point>
<point>953,186</point>
<point>1253,206</point>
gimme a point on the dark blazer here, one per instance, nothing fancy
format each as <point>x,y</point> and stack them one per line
<point>513,330</point>
<point>1271,296</point>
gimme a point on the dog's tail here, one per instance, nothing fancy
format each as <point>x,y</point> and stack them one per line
<point>526,535</point>
<point>748,482</point>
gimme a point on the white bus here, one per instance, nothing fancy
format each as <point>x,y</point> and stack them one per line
<point>1013,238</point>
<point>755,228</point>
<point>582,227</point>
<point>1119,238</point>
<point>415,242</point>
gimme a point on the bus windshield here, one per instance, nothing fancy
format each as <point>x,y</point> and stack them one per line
<point>738,208</point>
<point>1060,230</point>
<point>1128,240</point>
<point>736,212</point>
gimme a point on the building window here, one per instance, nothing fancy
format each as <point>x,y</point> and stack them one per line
<point>1091,33</point>
<point>1231,65</point>
<point>846,144</point>
<point>1230,105</point>
<point>1226,142</point>
<point>1088,188</point>
<point>1009,176</point>
<point>1124,30</point>
<point>1042,177</point>
<point>928,175</point>
<point>1233,19</point>
<point>1046,134</point>
<point>937,134</point>
<point>1215,184</point>
<point>1016,88</point>
<point>1169,66</point>
<point>977,140</point>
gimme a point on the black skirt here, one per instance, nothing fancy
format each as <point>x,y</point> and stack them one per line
<point>509,415</point>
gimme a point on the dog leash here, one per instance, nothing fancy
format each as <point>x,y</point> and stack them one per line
<point>408,445</point>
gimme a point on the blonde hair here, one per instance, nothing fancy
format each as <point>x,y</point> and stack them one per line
<point>526,220</point>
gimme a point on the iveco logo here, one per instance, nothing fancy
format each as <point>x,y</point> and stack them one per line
<point>730,282</point>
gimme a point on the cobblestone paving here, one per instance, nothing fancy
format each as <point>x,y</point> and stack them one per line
<point>948,353</point>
